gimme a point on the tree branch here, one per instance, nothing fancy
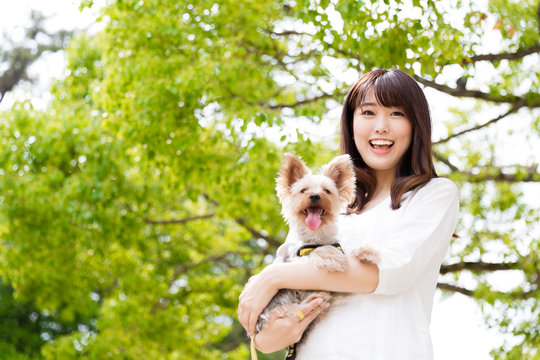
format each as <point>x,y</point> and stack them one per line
<point>20,57</point>
<point>494,173</point>
<point>503,56</point>
<point>182,268</point>
<point>498,174</point>
<point>303,56</point>
<point>240,221</point>
<point>478,267</point>
<point>517,295</point>
<point>164,301</point>
<point>445,161</point>
<point>288,33</point>
<point>513,109</point>
<point>272,241</point>
<point>18,62</point>
<point>298,103</point>
<point>453,288</point>
<point>177,221</point>
<point>281,106</point>
<point>476,94</point>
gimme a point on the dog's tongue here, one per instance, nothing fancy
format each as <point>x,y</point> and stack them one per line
<point>313,219</point>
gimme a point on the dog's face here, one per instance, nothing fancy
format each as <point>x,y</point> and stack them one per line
<point>315,200</point>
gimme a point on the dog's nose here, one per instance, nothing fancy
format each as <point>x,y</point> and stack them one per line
<point>314,197</point>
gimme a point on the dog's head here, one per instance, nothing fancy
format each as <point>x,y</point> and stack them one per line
<point>315,200</point>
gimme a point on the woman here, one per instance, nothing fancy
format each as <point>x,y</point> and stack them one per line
<point>402,209</point>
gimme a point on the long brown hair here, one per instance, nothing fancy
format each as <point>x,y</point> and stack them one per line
<point>392,88</point>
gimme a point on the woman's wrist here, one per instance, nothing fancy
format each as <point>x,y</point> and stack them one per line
<point>284,275</point>
<point>274,275</point>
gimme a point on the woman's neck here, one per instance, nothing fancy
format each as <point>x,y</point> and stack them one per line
<point>385,179</point>
<point>382,190</point>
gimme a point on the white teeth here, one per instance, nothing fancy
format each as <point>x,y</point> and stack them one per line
<point>381,142</point>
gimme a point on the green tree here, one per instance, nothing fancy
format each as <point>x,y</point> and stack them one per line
<point>143,197</point>
<point>24,328</point>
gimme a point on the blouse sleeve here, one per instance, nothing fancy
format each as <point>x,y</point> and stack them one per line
<point>421,240</point>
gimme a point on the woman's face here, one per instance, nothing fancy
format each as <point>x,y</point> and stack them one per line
<point>382,135</point>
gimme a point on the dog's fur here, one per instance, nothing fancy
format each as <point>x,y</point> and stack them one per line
<point>304,195</point>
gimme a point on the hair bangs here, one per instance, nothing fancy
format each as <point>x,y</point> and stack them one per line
<point>389,90</point>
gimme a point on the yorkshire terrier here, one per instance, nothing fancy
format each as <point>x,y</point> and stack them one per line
<point>310,205</point>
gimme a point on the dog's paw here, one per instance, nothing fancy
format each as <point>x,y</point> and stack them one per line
<point>366,254</point>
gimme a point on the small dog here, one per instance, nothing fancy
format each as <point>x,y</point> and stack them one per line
<point>310,205</point>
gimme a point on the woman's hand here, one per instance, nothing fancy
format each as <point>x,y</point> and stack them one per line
<point>257,293</point>
<point>286,327</point>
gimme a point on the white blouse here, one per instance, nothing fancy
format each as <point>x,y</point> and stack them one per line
<point>393,322</point>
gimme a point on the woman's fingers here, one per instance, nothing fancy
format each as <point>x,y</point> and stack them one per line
<point>311,310</point>
<point>310,306</point>
<point>252,322</point>
<point>243,305</point>
<point>241,318</point>
<point>243,313</point>
<point>254,297</point>
<point>313,314</point>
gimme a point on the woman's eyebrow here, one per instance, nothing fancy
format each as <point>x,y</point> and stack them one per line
<point>368,104</point>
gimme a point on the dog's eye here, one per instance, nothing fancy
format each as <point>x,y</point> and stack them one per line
<point>327,191</point>
<point>303,191</point>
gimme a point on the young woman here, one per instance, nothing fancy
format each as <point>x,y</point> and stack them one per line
<point>402,209</point>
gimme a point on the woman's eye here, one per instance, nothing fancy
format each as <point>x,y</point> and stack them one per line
<point>368,112</point>
<point>398,113</point>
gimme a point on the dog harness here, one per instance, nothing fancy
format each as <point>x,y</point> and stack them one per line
<point>303,251</point>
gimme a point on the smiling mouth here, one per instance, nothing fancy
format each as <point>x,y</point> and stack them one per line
<point>381,144</point>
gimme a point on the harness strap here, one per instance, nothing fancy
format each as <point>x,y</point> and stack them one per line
<point>307,249</point>
<point>291,352</point>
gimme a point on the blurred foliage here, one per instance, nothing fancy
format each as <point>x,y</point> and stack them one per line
<point>140,201</point>
<point>17,57</point>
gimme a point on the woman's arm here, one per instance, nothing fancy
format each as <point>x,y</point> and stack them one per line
<point>360,278</point>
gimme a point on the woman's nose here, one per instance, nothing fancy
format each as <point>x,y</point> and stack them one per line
<point>381,125</point>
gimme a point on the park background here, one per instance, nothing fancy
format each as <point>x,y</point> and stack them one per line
<point>136,186</point>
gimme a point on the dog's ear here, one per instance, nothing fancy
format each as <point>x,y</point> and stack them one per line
<point>341,171</point>
<point>292,170</point>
